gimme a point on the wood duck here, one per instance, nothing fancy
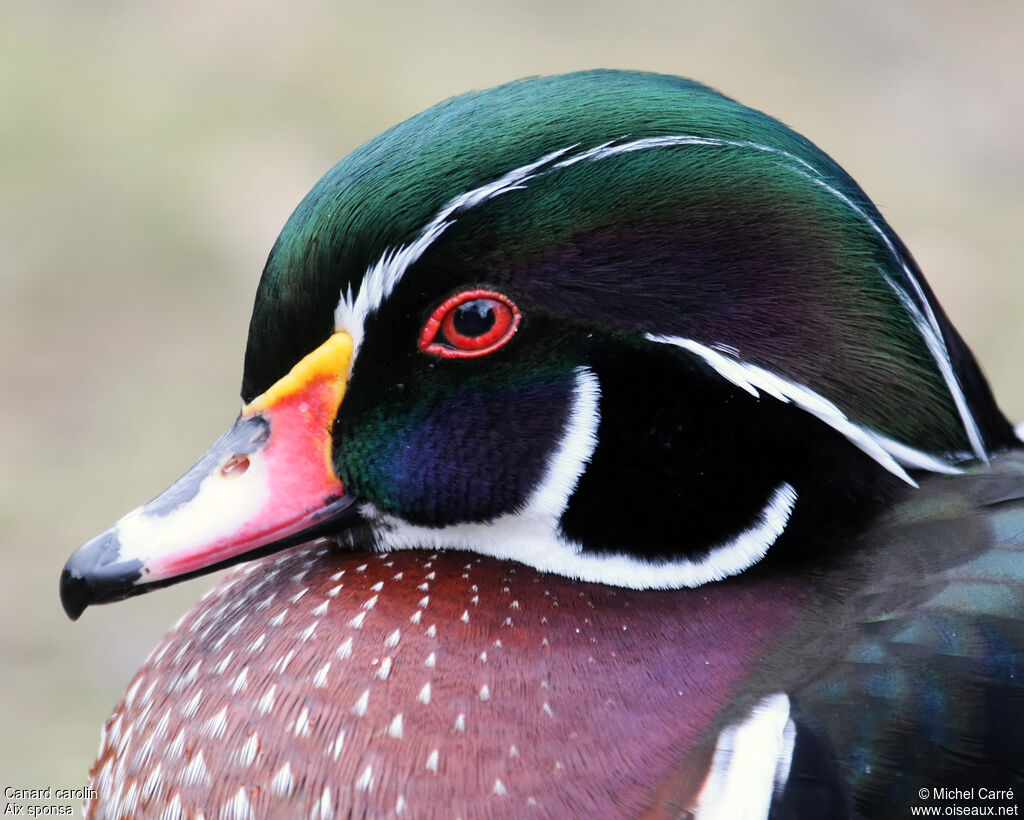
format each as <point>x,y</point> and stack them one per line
<point>603,453</point>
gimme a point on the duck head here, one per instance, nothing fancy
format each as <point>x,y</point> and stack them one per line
<point>612,325</point>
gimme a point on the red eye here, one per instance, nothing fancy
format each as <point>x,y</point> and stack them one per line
<point>468,324</point>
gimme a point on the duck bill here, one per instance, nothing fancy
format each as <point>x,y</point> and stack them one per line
<point>267,483</point>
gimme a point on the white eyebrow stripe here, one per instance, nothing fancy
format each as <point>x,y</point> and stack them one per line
<point>611,149</point>
<point>382,277</point>
<point>890,454</point>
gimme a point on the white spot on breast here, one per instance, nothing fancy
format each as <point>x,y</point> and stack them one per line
<point>283,781</point>
<point>362,704</point>
<point>144,752</point>
<point>190,708</point>
<point>298,595</point>
<point>424,587</point>
<point>430,576</point>
<point>164,722</point>
<point>399,576</point>
<point>416,617</point>
<point>333,592</point>
<point>282,663</point>
<point>546,709</point>
<point>377,587</point>
<point>357,621</point>
<point>129,697</point>
<point>483,657</point>
<point>246,753</point>
<point>400,805</point>
<point>431,660</point>
<point>431,631</point>
<point>220,667</point>
<point>475,600</point>
<point>395,729</point>
<point>423,602</point>
<point>237,808</point>
<point>345,650</point>
<point>195,773</point>
<point>153,783</point>
<point>125,738</point>
<point>241,681</point>
<point>266,703</point>
<point>320,610</point>
<point>339,744</point>
<point>432,760</point>
<point>337,576</point>
<point>393,639</point>
<point>278,619</point>
<point>257,645</point>
<point>499,788</point>
<point>149,691</point>
<point>385,669</point>
<point>216,725</point>
<point>301,725</point>
<point>464,617</point>
<point>362,568</point>
<point>365,781</point>
<point>308,632</point>
<point>177,745</point>
<point>424,695</point>
<point>320,678</point>
<point>485,692</point>
<point>460,722</point>
<point>173,809</point>
<point>131,798</point>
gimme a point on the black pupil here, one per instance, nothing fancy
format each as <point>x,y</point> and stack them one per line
<point>474,318</point>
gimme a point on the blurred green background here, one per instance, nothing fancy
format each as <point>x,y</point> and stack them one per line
<point>151,151</point>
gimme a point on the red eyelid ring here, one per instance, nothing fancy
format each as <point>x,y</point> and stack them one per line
<point>440,337</point>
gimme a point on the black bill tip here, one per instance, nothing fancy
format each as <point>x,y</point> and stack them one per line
<point>93,575</point>
<point>74,594</point>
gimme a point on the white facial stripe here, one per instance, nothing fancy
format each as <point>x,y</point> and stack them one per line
<point>380,280</point>
<point>751,764</point>
<point>888,453</point>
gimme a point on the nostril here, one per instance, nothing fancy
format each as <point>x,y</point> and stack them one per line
<point>235,466</point>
